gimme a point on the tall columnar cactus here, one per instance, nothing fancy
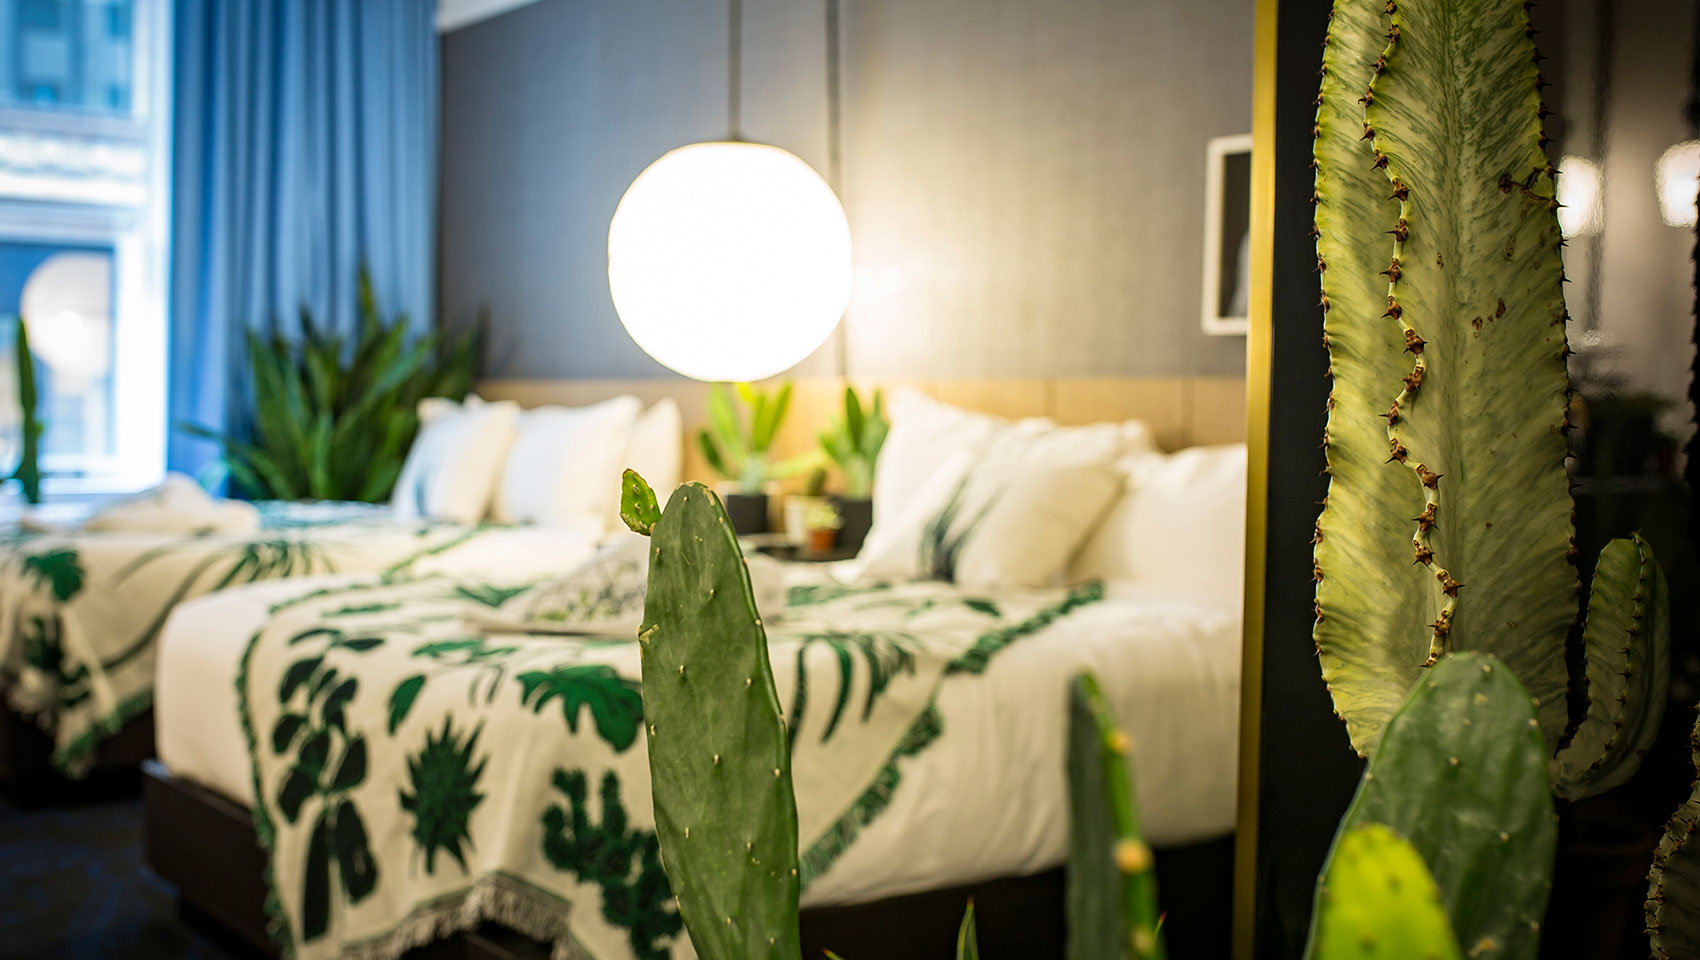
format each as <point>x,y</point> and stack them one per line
<point>1379,900</point>
<point>1461,773</point>
<point>719,757</point>
<point>1448,519</point>
<point>1112,888</point>
<point>28,473</point>
<point>1673,885</point>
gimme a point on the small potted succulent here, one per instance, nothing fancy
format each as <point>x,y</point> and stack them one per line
<point>853,442</point>
<point>821,524</point>
<point>737,445</point>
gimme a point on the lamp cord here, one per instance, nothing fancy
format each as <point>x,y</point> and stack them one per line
<point>835,158</point>
<point>734,68</point>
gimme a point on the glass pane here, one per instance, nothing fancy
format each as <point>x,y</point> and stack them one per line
<point>67,54</point>
<point>65,293</point>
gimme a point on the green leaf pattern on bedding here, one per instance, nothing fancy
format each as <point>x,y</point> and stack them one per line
<point>501,777</point>
<point>80,614</point>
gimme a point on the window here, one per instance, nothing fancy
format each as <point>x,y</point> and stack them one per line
<point>84,180</point>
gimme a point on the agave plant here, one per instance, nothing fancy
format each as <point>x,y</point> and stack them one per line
<point>738,446</point>
<point>853,441</point>
<point>317,398</point>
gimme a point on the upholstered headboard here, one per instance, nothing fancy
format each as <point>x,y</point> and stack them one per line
<point>1184,411</point>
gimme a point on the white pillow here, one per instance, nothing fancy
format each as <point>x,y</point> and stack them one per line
<point>656,448</point>
<point>1179,525</point>
<point>926,435</point>
<point>563,469</point>
<point>453,467</point>
<point>1004,522</point>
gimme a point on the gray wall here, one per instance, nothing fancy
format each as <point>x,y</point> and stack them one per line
<point>1024,179</point>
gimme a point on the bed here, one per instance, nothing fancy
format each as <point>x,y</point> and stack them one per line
<point>486,488</point>
<point>943,669</point>
<point>80,612</point>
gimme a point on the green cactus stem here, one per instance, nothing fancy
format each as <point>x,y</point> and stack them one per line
<point>1627,643</point>
<point>1447,523</point>
<point>637,503</point>
<point>1673,884</point>
<point>28,473</point>
<point>1379,900</point>
<point>1461,773</point>
<point>1112,886</point>
<point>718,754</point>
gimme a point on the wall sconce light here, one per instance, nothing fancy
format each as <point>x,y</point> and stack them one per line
<point>1676,177</point>
<point>1578,196</point>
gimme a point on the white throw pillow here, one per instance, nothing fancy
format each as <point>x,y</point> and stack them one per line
<point>1006,521</point>
<point>1180,524</point>
<point>656,448</point>
<point>453,467</point>
<point>563,469</point>
<point>926,433</point>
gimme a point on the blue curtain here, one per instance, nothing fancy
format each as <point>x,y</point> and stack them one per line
<point>305,144</point>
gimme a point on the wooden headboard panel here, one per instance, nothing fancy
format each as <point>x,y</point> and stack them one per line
<point>1184,411</point>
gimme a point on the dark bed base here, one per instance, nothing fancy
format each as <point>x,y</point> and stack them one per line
<point>205,845</point>
<point>28,776</point>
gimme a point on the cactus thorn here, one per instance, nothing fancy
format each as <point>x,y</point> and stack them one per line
<point>1413,343</point>
<point>1401,231</point>
<point>1132,856</point>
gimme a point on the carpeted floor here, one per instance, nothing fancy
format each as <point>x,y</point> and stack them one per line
<point>73,886</point>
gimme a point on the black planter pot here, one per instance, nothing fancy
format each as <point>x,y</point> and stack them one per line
<point>747,511</point>
<point>858,517</point>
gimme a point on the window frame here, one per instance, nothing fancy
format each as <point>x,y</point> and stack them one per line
<point>138,235</point>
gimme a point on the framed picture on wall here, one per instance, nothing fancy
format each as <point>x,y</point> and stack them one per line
<point>1227,235</point>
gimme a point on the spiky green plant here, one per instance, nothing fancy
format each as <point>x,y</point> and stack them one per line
<point>1673,884</point>
<point>738,445</point>
<point>1379,900</point>
<point>28,473</point>
<point>1112,886</point>
<point>1461,772</point>
<point>332,419</point>
<point>1447,524</point>
<point>853,441</point>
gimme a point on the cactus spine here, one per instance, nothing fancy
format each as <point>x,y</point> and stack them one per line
<point>719,758</point>
<point>1461,772</point>
<point>1447,524</point>
<point>1379,900</point>
<point>1112,887</point>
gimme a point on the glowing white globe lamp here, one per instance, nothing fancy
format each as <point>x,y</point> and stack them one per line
<point>729,260</point>
<point>67,302</point>
<point>1677,179</point>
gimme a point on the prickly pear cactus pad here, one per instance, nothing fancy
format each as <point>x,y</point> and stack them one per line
<point>1673,884</point>
<point>1447,523</point>
<point>719,755</point>
<point>1379,900</point>
<point>1112,886</point>
<point>1627,642</point>
<point>1461,773</point>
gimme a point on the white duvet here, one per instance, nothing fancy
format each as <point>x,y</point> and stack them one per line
<point>988,799</point>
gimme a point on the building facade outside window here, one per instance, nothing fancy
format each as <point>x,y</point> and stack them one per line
<point>84,179</point>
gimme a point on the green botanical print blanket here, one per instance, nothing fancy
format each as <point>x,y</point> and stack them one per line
<point>416,774</point>
<point>79,613</point>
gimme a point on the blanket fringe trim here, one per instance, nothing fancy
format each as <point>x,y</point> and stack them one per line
<point>76,758</point>
<point>873,801</point>
<point>494,898</point>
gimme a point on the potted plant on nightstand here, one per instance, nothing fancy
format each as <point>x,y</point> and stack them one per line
<point>737,445</point>
<point>853,441</point>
